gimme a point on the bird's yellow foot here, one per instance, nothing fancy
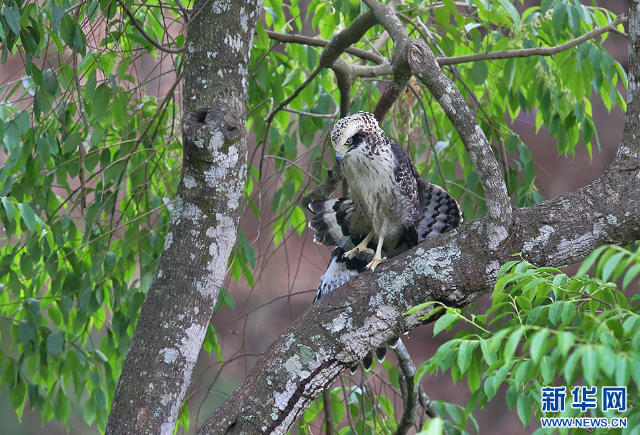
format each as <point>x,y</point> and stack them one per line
<point>372,265</point>
<point>358,249</point>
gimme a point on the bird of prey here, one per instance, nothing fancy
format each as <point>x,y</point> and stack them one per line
<point>391,209</point>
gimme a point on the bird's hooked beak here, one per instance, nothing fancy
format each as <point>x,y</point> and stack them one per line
<point>339,158</point>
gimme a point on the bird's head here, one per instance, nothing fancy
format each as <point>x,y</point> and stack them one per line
<point>352,131</point>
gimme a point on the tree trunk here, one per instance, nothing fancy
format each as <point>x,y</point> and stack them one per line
<point>183,294</point>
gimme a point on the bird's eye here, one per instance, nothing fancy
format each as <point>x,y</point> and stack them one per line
<point>349,141</point>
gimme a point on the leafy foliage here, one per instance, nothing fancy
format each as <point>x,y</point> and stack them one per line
<point>73,280</point>
<point>547,329</point>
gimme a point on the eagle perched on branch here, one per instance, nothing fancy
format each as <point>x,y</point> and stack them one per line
<point>391,209</point>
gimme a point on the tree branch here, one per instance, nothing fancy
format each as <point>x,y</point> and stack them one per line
<point>86,143</point>
<point>386,16</point>
<point>408,371</point>
<point>324,189</point>
<point>342,41</point>
<point>345,82</point>
<point>146,36</point>
<point>499,210</point>
<point>316,42</point>
<point>328,412</point>
<point>537,51</point>
<point>346,38</point>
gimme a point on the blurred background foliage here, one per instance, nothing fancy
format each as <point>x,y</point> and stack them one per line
<point>97,97</point>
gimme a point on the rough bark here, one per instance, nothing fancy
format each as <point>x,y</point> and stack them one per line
<point>178,307</point>
<point>424,65</point>
<point>455,268</point>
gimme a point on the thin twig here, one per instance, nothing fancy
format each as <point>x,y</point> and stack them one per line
<point>312,115</point>
<point>408,370</point>
<point>315,42</point>
<point>292,97</point>
<point>84,146</point>
<point>328,411</point>
<point>292,164</point>
<point>347,405</point>
<point>536,51</point>
<point>138,26</point>
<point>76,6</point>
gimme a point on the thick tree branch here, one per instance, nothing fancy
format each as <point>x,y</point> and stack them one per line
<point>346,38</point>
<point>342,41</point>
<point>344,80</point>
<point>499,210</point>
<point>386,16</point>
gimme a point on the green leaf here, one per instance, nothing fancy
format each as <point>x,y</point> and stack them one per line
<point>512,344</point>
<point>63,408</point>
<point>588,262</point>
<point>515,16</point>
<point>632,272</point>
<point>50,82</point>
<point>298,220</point>
<point>417,308</point>
<point>545,5</point>
<point>434,426</point>
<point>28,216</point>
<point>26,331</point>
<point>100,357</point>
<point>57,12</point>
<point>68,30</point>
<point>539,345</point>
<point>55,315</point>
<point>559,14</point>
<point>589,365</point>
<point>479,72</point>
<point>8,207</point>
<point>444,322</point>
<point>55,342</point>
<point>89,411</point>
<point>18,394</point>
<point>465,352</point>
<point>611,265</point>
<point>13,19</point>
<point>524,408</point>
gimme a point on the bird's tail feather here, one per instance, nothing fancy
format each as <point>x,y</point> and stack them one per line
<point>442,212</point>
<point>331,222</point>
